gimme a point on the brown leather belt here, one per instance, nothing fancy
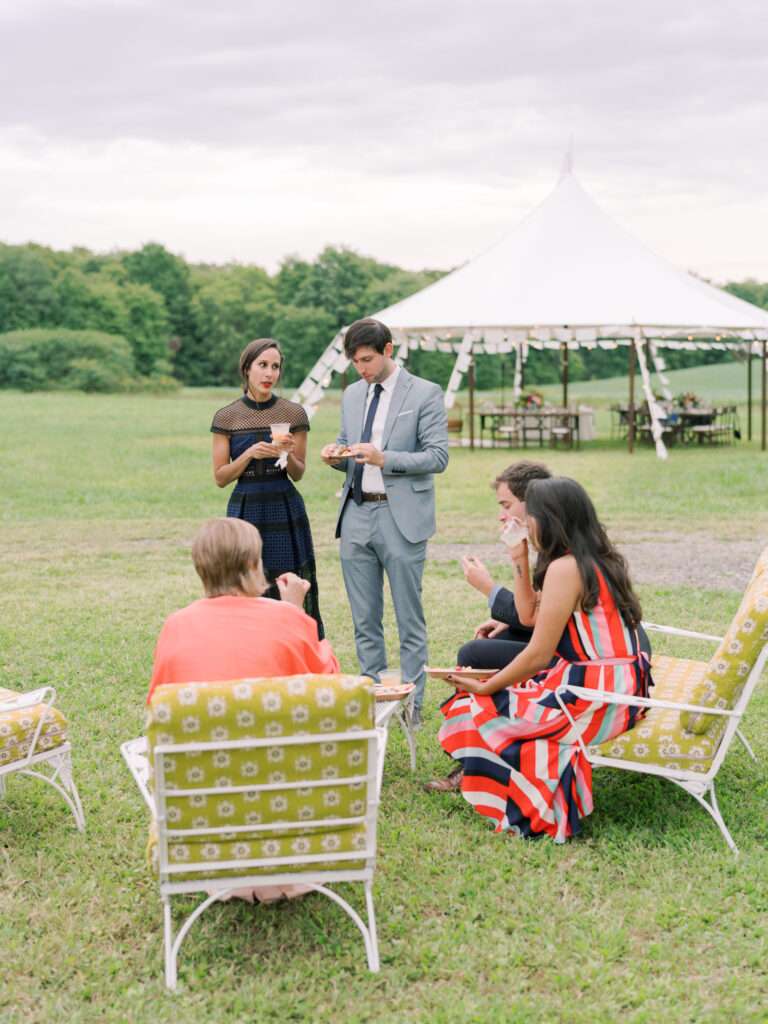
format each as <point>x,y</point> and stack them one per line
<point>374,497</point>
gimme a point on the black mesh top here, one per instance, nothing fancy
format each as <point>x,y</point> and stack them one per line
<point>246,422</point>
<point>245,416</point>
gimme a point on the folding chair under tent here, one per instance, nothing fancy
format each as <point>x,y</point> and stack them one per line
<point>566,277</point>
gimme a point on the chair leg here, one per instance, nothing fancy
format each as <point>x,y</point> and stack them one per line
<point>369,933</point>
<point>173,945</point>
<point>404,716</point>
<point>63,782</point>
<point>373,939</point>
<point>2,785</point>
<point>745,742</point>
<point>68,780</point>
<point>713,810</point>
<point>169,951</point>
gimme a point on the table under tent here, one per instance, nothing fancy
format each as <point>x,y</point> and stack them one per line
<point>567,277</point>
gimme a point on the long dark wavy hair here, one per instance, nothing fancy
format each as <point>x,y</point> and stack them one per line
<point>567,524</point>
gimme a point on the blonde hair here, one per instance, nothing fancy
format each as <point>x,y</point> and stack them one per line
<point>227,558</point>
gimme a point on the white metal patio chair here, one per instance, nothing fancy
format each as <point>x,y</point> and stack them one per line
<point>696,709</point>
<point>263,782</point>
<point>33,742</point>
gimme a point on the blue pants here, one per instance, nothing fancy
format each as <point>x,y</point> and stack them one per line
<point>371,545</point>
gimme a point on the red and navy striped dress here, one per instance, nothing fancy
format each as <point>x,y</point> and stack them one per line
<point>523,767</point>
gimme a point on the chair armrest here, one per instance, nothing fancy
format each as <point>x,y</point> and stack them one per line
<point>136,757</point>
<point>43,695</point>
<point>606,697</point>
<point>674,631</point>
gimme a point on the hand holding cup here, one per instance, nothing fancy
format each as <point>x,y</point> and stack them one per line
<point>282,439</point>
<point>515,536</point>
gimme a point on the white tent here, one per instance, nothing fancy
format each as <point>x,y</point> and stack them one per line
<point>566,276</point>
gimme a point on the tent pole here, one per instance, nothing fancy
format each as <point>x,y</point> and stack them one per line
<point>631,409</point>
<point>471,382</point>
<point>564,371</point>
<point>764,402</point>
<point>749,391</point>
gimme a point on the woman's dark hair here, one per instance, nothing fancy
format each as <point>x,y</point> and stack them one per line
<point>567,524</point>
<point>368,333</point>
<point>251,353</point>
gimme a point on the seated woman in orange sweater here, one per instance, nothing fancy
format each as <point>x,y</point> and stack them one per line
<point>233,632</point>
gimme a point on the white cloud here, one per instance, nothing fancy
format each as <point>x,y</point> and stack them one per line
<point>415,131</point>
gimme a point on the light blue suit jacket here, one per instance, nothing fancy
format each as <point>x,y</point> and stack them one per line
<point>415,445</point>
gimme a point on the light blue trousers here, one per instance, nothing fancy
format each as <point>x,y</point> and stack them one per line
<point>371,545</point>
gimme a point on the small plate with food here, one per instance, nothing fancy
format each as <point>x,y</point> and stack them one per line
<point>341,451</point>
<point>470,673</point>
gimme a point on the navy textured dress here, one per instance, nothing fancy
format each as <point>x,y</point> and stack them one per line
<point>265,496</point>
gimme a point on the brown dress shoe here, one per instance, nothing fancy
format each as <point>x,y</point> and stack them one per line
<point>449,784</point>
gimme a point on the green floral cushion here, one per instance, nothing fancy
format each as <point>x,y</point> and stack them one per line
<point>660,738</point>
<point>727,673</point>
<point>262,709</point>
<point>228,848</point>
<point>17,729</point>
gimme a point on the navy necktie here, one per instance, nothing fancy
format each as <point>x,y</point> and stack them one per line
<point>365,437</point>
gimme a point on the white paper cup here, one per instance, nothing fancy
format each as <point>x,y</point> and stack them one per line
<point>279,432</point>
<point>514,533</point>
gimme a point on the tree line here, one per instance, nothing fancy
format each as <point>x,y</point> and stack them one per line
<point>148,318</point>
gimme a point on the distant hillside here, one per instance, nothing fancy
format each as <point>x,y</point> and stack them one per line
<point>720,382</point>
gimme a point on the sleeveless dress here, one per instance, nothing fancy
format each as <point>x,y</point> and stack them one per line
<point>523,766</point>
<point>265,496</point>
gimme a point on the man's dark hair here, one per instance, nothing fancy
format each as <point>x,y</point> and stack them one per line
<point>367,333</point>
<point>519,475</point>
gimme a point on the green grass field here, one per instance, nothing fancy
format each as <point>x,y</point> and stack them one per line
<point>646,917</point>
<point>718,382</point>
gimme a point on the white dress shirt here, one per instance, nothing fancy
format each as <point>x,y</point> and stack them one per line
<point>373,479</point>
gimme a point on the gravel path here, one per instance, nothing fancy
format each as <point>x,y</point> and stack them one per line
<point>667,559</point>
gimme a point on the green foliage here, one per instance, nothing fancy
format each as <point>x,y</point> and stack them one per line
<point>304,332</point>
<point>28,296</point>
<point>192,320</point>
<point>751,291</point>
<point>230,306</point>
<point>80,291</point>
<point>335,282</point>
<point>44,360</point>
<point>169,276</point>
<point>93,375</point>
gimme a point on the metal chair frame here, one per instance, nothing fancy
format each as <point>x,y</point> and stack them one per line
<point>285,868</point>
<point>700,785</point>
<point>53,766</point>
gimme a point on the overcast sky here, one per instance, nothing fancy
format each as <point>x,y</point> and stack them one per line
<point>417,132</point>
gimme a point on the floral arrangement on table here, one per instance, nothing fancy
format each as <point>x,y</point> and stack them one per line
<point>530,400</point>
<point>688,400</point>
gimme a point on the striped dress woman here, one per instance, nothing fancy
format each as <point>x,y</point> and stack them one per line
<point>523,766</point>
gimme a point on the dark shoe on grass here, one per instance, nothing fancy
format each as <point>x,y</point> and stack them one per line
<point>450,784</point>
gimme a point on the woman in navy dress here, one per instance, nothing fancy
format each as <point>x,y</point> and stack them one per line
<point>243,450</point>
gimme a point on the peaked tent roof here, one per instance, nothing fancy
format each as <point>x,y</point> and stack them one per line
<point>568,264</point>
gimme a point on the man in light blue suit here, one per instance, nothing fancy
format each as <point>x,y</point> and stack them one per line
<point>394,426</point>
